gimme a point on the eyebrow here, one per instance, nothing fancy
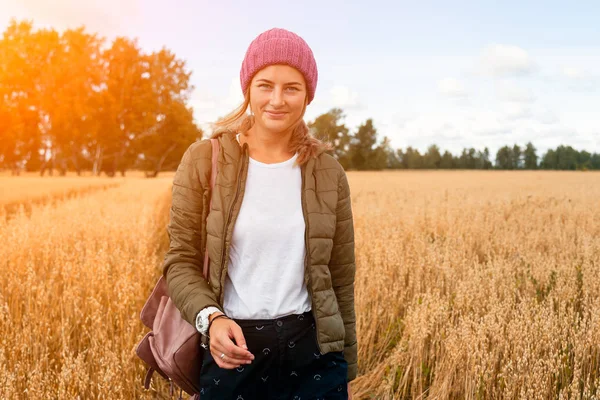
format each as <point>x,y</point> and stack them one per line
<point>289,83</point>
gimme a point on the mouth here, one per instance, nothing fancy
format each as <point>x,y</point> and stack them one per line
<point>275,114</point>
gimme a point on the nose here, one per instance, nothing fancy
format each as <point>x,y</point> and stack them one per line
<point>277,97</point>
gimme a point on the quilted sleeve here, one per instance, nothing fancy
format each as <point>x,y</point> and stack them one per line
<point>342,268</point>
<point>183,262</point>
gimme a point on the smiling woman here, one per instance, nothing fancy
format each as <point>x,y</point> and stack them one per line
<point>277,305</point>
<point>277,88</point>
<point>270,88</point>
<point>277,100</point>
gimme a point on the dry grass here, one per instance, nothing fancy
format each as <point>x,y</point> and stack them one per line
<point>31,189</point>
<point>469,285</point>
<point>74,278</point>
<point>34,189</point>
<point>478,285</point>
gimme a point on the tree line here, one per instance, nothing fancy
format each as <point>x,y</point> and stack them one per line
<point>361,151</point>
<point>70,101</point>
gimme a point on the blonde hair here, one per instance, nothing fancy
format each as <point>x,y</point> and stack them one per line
<point>301,141</point>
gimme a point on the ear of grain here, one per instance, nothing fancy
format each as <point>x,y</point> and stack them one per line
<point>469,285</point>
<point>74,278</point>
<point>477,284</point>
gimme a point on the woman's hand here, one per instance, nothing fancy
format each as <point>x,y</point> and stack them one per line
<point>349,392</point>
<point>221,333</point>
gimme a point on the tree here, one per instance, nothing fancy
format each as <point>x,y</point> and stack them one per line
<point>471,161</point>
<point>361,149</point>
<point>66,102</point>
<point>504,158</point>
<point>530,157</point>
<point>432,158</point>
<point>467,159</point>
<point>381,155</point>
<point>516,157</point>
<point>162,147</point>
<point>24,71</point>
<point>447,161</point>
<point>549,160</point>
<point>412,159</point>
<point>140,90</point>
<point>595,161</point>
<point>485,159</point>
<point>329,127</point>
<point>395,158</point>
<point>566,157</point>
<point>584,160</point>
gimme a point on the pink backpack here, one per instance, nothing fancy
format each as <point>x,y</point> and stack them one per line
<point>173,347</point>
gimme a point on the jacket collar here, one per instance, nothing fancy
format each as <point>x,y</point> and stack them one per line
<point>231,148</point>
<point>232,151</point>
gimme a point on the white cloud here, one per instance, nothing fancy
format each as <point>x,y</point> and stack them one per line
<point>494,125</point>
<point>202,101</point>
<point>208,106</point>
<point>401,118</point>
<point>505,60</point>
<point>451,87</point>
<point>509,91</point>
<point>574,73</point>
<point>579,79</point>
<point>514,112</point>
<point>446,130</point>
<point>546,116</point>
<point>235,97</point>
<point>107,17</point>
<point>344,97</point>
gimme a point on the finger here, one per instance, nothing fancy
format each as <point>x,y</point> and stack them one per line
<point>240,340</point>
<point>233,359</point>
<point>224,362</point>
<point>218,348</point>
<point>236,351</point>
<point>222,343</point>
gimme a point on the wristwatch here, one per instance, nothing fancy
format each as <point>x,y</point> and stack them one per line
<point>202,319</point>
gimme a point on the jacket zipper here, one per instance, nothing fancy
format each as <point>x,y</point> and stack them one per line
<point>224,262</point>
<point>307,252</point>
<point>306,241</point>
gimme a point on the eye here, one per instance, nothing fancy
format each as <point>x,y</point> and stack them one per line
<point>264,85</point>
<point>293,88</point>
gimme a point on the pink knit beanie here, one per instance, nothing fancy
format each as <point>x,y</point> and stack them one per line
<point>279,46</point>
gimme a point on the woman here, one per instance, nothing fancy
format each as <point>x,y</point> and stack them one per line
<point>278,304</point>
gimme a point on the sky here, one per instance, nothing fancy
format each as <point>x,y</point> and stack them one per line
<point>457,74</point>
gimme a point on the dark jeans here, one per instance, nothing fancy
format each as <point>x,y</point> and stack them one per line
<point>287,365</point>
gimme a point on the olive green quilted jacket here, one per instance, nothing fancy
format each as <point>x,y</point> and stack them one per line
<point>329,237</point>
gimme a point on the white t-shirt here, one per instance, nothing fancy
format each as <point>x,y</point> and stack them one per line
<point>265,277</point>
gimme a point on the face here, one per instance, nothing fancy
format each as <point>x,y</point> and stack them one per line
<point>277,96</point>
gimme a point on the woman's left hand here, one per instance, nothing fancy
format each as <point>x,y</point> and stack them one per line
<point>349,392</point>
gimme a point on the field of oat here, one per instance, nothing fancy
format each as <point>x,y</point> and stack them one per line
<point>469,284</point>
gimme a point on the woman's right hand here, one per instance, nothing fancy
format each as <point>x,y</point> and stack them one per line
<point>221,333</point>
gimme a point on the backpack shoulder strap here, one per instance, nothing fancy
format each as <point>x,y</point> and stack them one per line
<point>213,178</point>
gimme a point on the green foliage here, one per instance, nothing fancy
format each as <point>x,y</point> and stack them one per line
<point>69,101</point>
<point>328,127</point>
<point>530,157</point>
<point>567,158</point>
